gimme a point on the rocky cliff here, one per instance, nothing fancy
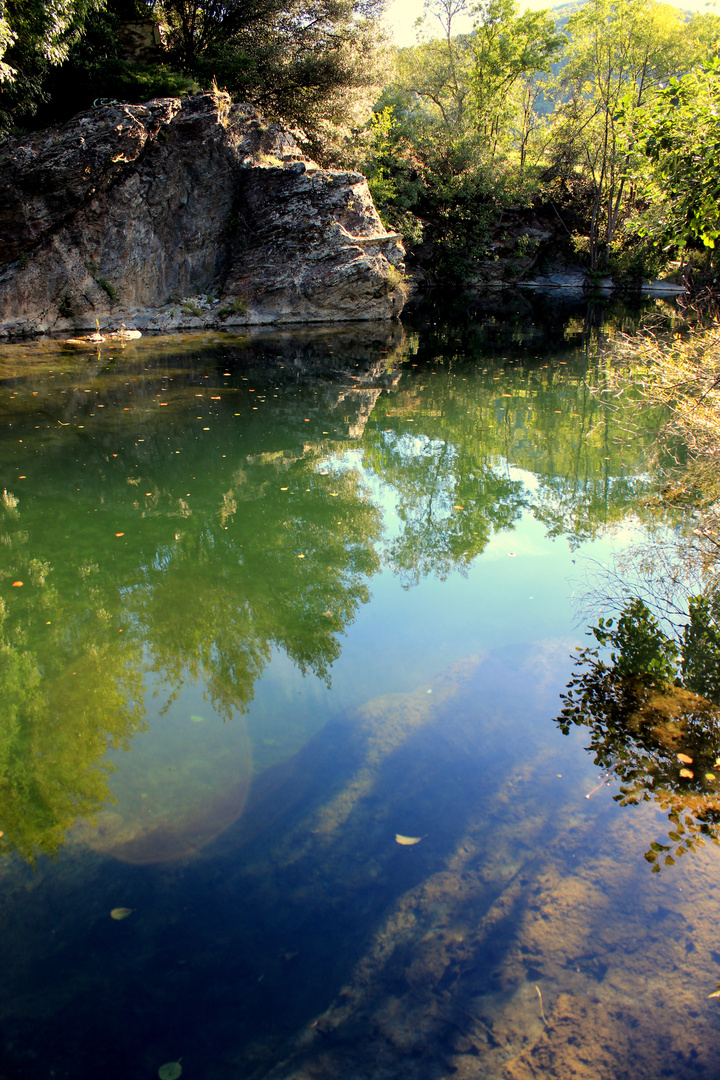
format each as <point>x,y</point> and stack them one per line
<point>184,214</point>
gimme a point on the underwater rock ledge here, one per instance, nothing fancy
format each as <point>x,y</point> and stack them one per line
<point>184,214</point>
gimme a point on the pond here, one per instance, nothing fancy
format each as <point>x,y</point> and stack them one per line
<point>285,623</point>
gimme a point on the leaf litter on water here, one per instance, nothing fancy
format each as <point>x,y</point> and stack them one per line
<point>407,841</point>
<point>119,913</point>
<point>170,1070</point>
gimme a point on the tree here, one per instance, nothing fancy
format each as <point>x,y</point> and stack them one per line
<point>678,132</point>
<point>35,36</point>
<point>619,51</point>
<point>453,125</point>
<point>506,47</point>
<point>304,60</point>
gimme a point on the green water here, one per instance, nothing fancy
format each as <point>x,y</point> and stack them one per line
<point>268,602</point>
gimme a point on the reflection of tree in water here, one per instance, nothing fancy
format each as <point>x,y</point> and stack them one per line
<point>189,542</point>
<point>58,719</point>
<point>271,551</point>
<point>653,713</point>
<point>283,563</point>
<point>443,446</point>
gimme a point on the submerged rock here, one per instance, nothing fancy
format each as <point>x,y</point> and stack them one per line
<point>185,214</point>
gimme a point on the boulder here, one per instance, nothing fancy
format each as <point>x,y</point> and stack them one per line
<point>184,214</point>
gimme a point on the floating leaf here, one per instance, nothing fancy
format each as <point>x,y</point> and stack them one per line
<point>119,913</point>
<point>709,775</point>
<point>197,719</point>
<point>407,841</point>
<point>715,993</point>
<point>16,584</point>
<point>119,534</point>
<point>685,759</point>
<point>170,1070</point>
<point>688,773</point>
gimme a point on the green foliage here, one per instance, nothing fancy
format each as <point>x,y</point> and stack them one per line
<point>65,308</point>
<point>237,306</point>
<point>653,734</point>
<point>701,647</point>
<point>109,288</point>
<point>305,60</point>
<point>451,135</point>
<point>679,134</point>
<point>640,648</point>
<point>35,36</point>
<point>505,48</point>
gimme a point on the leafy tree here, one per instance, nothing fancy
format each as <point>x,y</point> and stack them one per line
<point>619,51</point>
<point>455,114</point>
<point>678,131</point>
<point>302,60</point>
<point>35,36</point>
<point>506,47</point>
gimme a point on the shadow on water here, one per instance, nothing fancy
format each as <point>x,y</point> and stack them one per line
<point>226,957</point>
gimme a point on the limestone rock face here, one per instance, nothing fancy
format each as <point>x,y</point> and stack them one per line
<point>184,213</point>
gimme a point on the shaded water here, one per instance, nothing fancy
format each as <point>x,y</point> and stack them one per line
<point>269,602</point>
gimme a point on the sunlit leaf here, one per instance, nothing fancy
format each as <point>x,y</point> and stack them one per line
<point>16,584</point>
<point>685,759</point>
<point>119,913</point>
<point>688,773</point>
<point>407,841</point>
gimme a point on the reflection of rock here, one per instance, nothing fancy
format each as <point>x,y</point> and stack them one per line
<point>364,402</point>
<point>138,213</point>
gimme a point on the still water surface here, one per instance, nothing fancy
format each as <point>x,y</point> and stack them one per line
<point>269,603</point>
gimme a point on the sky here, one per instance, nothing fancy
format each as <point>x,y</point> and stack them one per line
<point>401,15</point>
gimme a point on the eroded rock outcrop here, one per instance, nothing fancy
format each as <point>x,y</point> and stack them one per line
<point>185,213</point>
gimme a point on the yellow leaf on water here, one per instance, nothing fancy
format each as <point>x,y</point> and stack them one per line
<point>407,841</point>
<point>687,773</point>
<point>170,1070</point>
<point>119,913</point>
<point>709,775</point>
<point>685,759</point>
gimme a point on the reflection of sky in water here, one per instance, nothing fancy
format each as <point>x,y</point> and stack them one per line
<point>519,590</point>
